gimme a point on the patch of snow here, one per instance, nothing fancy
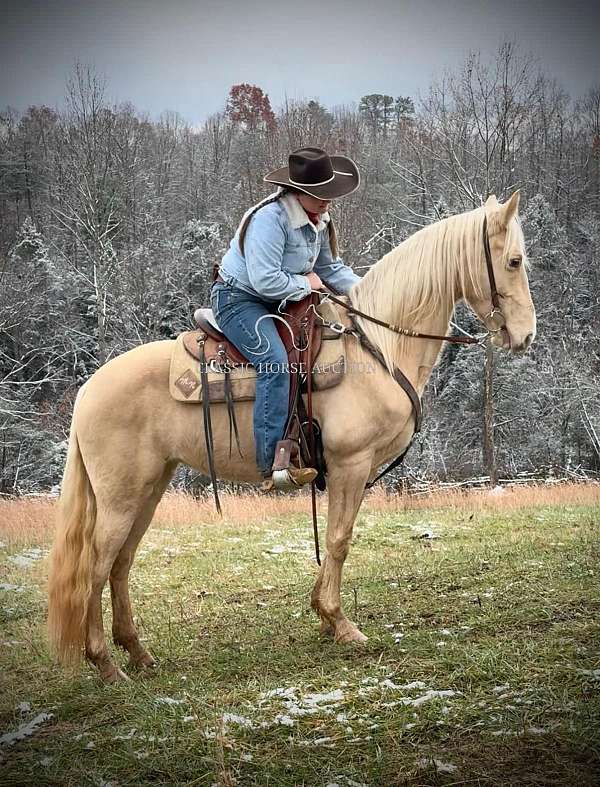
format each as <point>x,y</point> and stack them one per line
<point>168,701</point>
<point>500,689</point>
<point>280,692</point>
<point>441,767</point>
<point>28,557</point>
<point>25,730</point>
<point>312,700</point>
<point>241,721</point>
<point>285,720</point>
<point>24,707</point>
<point>389,684</point>
<point>590,673</point>
<point>429,695</point>
<point>127,737</point>
<point>316,742</point>
<point>16,588</point>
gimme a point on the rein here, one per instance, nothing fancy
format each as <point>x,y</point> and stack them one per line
<point>339,328</point>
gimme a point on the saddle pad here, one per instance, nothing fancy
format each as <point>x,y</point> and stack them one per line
<point>184,378</point>
<point>184,375</point>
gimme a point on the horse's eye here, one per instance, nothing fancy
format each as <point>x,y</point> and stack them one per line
<point>515,262</point>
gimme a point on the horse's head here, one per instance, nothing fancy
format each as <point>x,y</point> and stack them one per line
<point>513,320</point>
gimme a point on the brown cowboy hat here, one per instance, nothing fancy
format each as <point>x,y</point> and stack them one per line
<point>313,171</point>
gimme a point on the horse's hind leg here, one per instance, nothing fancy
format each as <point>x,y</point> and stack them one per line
<point>111,532</point>
<point>123,628</point>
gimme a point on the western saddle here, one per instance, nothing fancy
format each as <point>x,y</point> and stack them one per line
<point>301,334</point>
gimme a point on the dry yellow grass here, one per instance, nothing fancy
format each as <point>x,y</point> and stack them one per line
<point>31,520</point>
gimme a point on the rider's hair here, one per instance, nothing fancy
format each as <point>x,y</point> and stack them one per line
<point>333,242</point>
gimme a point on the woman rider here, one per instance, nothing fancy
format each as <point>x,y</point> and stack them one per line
<point>284,247</point>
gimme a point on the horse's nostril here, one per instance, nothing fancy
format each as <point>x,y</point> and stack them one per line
<point>528,339</point>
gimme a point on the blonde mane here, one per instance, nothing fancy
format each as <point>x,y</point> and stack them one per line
<point>416,284</point>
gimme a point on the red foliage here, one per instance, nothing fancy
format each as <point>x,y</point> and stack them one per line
<point>248,104</point>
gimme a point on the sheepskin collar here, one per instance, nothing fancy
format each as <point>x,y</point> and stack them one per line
<point>297,214</point>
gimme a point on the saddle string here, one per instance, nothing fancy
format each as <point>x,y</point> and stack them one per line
<point>233,427</point>
<point>208,433</point>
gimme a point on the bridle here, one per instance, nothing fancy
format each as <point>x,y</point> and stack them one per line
<point>495,295</point>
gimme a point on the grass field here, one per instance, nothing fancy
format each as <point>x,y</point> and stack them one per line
<point>482,665</point>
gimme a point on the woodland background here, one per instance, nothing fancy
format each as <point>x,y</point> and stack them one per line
<point>110,223</point>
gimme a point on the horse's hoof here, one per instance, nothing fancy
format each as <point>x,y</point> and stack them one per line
<point>349,633</point>
<point>115,675</point>
<point>144,662</point>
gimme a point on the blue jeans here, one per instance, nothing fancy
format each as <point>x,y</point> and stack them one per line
<point>237,314</point>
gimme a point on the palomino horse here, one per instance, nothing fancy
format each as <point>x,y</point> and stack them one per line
<point>128,435</point>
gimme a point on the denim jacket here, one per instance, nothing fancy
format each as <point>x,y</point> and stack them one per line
<point>281,246</point>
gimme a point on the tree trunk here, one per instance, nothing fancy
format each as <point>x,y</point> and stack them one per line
<point>489,453</point>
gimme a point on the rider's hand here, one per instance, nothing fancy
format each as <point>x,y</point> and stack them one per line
<point>314,281</point>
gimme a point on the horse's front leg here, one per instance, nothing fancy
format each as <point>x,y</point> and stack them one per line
<point>346,489</point>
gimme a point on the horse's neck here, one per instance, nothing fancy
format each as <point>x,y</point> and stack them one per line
<point>414,356</point>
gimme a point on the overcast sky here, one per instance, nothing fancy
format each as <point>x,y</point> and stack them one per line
<point>184,55</point>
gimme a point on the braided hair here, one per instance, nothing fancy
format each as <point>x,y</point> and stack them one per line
<point>333,241</point>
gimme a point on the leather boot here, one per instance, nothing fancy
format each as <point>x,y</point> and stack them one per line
<point>296,477</point>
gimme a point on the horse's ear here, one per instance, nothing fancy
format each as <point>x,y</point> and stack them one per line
<point>510,207</point>
<point>491,201</point>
